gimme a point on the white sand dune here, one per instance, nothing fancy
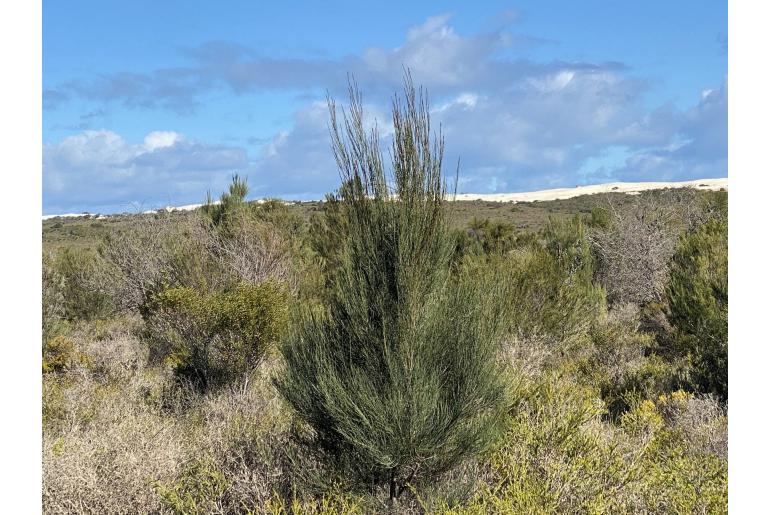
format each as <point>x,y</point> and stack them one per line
<point>631,188</point>
<point>616,187</point>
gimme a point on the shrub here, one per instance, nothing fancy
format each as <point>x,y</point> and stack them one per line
<point>551,459</point>
<point>697,299</point>
<point>622,363</point>
<point>58,354</point>
<point>83,278</point>
<point>231,202</point>
<point>485,236</point>
<point>398,378</point>
<point>549,289</point>
<point>634,249</point>
<point>559,457</point>
<point>195,490</point>
<point>147,256</point>
<point>53,298</point>
<point>212,339</point>
<point>250,251</point>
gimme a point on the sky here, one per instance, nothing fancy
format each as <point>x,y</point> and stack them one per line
<point>148,104</point>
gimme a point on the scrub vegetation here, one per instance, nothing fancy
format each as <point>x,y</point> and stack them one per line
<point>389,349</point>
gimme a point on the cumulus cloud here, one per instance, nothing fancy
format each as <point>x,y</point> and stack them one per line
<point>699,149</point>
<point>515,124</point>
<point>100,171</point>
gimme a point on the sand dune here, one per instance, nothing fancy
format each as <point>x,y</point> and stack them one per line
<point>617,187</point>
<point>631,188</point>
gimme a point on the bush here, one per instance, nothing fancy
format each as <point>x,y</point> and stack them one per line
<point>82,277</point>
<point>634,248</point>
<point>156,250</point>
<point>212,339</point>
<point>559,457</point>
<point>697,299</point>
<point>195,490</point>
<point>58,354</point>
<point>485,236</point>
<point>549,289</point>
<point>53,298</point>
<point>542,300</point>
<point>398,378</point>
<point>622,363</point>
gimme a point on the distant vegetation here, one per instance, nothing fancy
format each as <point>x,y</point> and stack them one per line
<point>371,353</point>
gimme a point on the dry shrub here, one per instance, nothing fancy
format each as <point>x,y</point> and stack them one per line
<point>173,250</point>
<point>118,437</point>
<point>142,257</point>
<point>701,419</point>
<point>634,251</point>
<point>252,251</point>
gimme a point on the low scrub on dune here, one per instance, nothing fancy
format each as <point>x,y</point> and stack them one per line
<point>380,357</point>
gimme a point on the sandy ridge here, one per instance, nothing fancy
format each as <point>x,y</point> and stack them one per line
<point>531,196</point>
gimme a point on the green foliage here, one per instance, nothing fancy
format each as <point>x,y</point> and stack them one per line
<point>397,378</point>
<point>697,300</point>
<point>212,339</point>
<point>550,461</point>
<point>557,457</point>
<point>676,477</point>
<point>600,218</point>
<point>82,276</point>
<point>328,233</point>
<point>230,203</point>
<point>195,489</point>
<point>58,354</point>
<point>486,236</point>
<point>549,291</point>
<point>53,285</point>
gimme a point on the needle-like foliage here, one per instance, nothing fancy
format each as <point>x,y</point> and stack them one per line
<point>398,376</point>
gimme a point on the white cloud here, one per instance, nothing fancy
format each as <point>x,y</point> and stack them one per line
<point>99,170</point>
<point>161,139</point>
<point>515,124</point>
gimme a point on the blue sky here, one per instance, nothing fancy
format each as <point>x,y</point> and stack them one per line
<point>153,103</point>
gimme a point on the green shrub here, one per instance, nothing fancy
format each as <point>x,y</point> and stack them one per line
<point>58,354</point>
<point>216,338</point>
<point>697,300</point>
<point>195,490</point>
<point>485,236</point>
<point>83,276</point>
<point>622,364</point>
<point>550,460</point>
<point>543,296</point>
<point>559,457</point>
<point>230,203</point>
<point>398,378</point>
<point>52,299</point>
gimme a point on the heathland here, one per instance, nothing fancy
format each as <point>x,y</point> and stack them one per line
<point>389,350</point>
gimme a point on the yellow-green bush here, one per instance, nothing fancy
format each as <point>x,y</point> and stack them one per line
<point>559,457</point>
<point>678,477</point>
<point>195,490</point>
<point>59,354</point>
<point>84,280</point>
<point>212,339</point>
<point>622,364</point>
